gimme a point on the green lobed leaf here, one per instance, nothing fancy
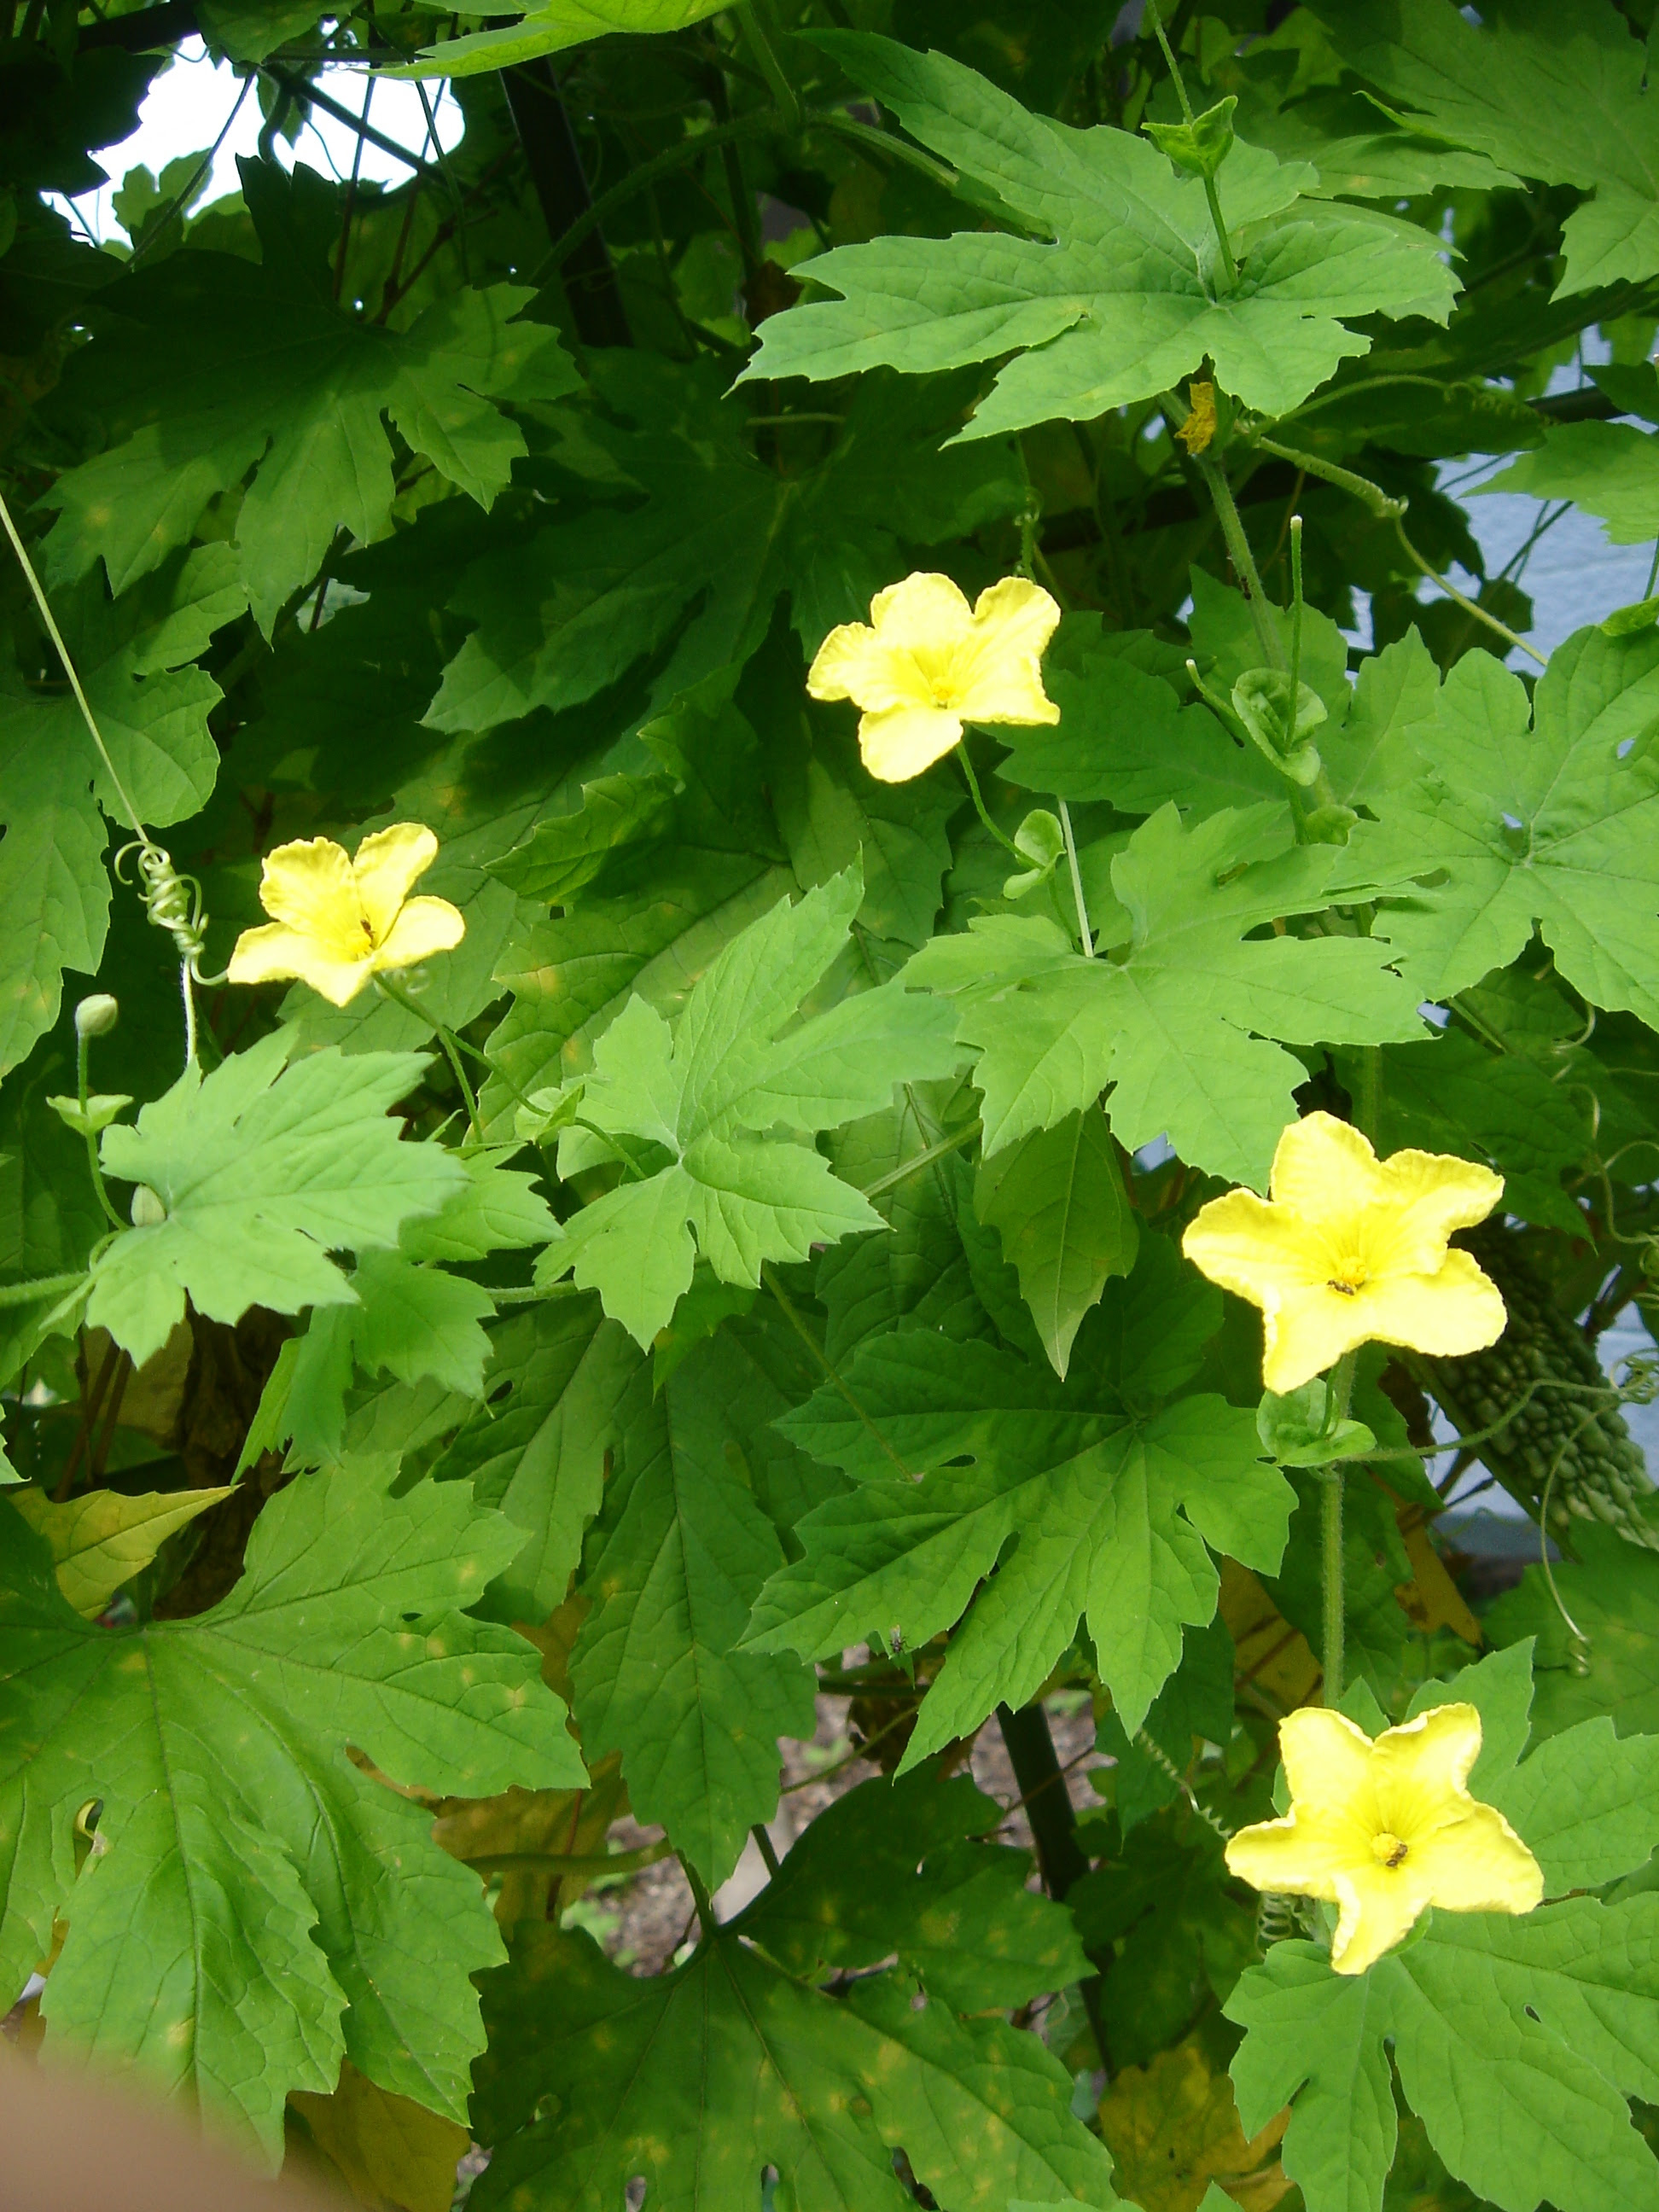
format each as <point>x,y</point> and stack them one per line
<point>1120,291</point>
<point>707,1091</point>
<point>55,793</point>
<point>671,1569</point>
<point>1178,1017</point>
<point>101,1540</point>
<point>1057,1201</point>
<point>1559,98</point>
<point>1544,817</point>
<point>257,1904</point>
<point>701,2078</point>
<point>692,565</point>
<point>953,1908</point>
<point>184,371</point>
<point>1111,1513</point>
<point>260,1170</point>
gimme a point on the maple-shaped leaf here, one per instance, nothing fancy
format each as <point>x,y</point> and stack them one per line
<point>1561,96</point>
<point>1544,811</point>
<point>257,1904</point>
<point>700,2079</point>
<point>563,1387</point>
<point>1177,1011</point>
<point>254,1174</point>
<point>706,1092</point>
<point>951,1906</point>
<point>549,28</point>
<point>956,1447</point>
<point>1120,290</point>
<point>671,1569</point>
<point>694,862</point>
<point>1517,2040</point>
<point>205,365</point>
<point>680,516</point>
<point>55,792</point>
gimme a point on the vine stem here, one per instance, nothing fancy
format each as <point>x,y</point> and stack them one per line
<point>756,36</point>
<point>82,1086</point>
<point>1340,1394</point>
<point>399,997</point>
<point>1243,561</point>
<point>1083,930</point>
<point>1211,193</point>
<point>977,796</point>
<point>71,671</point>
<point>1387,509</point>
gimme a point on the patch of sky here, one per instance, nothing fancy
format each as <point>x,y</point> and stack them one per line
<point>196,103</point>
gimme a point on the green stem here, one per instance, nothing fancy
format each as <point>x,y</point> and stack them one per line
<point>1296,624</point>
<point>1369,494</point>
<point>1367,1093</point>
<point>757,37</point>
<point>399,997</point>
<point>1653,573</point>
<point>1210,190</point>
<point>701,1898</point>
<point>82,1070</point>
<point>62,652</point>
<point>941,1150</point>
<point>1331,1571</point>
<point>1339,1393</point>
<point>763,1844</point>
<point>974,793</point>
<point>1468,605</point>
<point>43,1287</point>
<point>582,1866</point>
<point>1386,509</point>
<point>1243,561</point>
<point>1084,935</point>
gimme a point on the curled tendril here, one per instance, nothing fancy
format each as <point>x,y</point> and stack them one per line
<point>173,903</point>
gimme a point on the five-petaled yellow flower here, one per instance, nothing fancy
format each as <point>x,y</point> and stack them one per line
<point>1381,1829</point>
<point>927,662</point>
<point>338,921</point>
<point>1350,1250</point>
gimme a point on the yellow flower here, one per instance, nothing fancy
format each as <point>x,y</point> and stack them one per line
<point>927,662</point>
<point>339,921</point>
<point>1381,1829</point>
<point>1353,1250</point>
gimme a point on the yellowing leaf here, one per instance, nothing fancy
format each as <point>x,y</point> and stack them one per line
<point>1172,2128</point>
<point>391,2153</point>
<point>102,1541</point>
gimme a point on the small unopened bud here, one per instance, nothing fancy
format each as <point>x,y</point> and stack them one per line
<point>148,1211</point>
<point>96,1016</point>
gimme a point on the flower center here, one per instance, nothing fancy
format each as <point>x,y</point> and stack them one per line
<point>1389,1849</point>
<point>1347,1276</point>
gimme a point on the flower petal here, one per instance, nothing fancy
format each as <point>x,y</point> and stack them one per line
<point>1000,672</point>
<point>1425,1762</point>
<point>925,613</point>
<point>386,867</point>
<point>310,885</point>
<point>1479,1864</point>
<point>1455,1311</point>
<point>276,951</point>
<point>1257,1251</point>
<point>1295,1858</point>
<point>901,744</point>
<point>1307,1331</point>
<point>425,925</point>
<point>853,663</point>
<point>1377,1905</point>
<point>1328,1759</point>
<point>1327,1170</point>
<point>1425,1195</point>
